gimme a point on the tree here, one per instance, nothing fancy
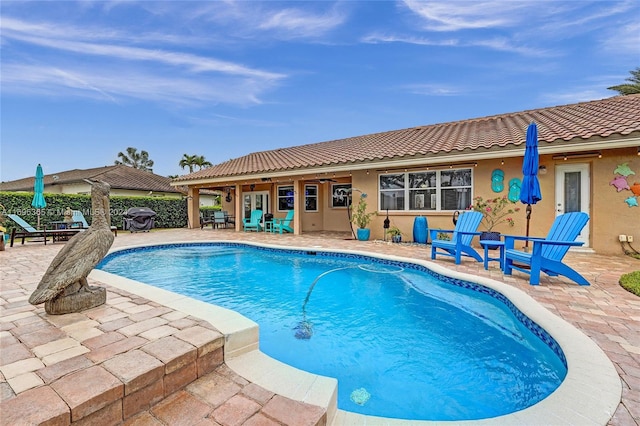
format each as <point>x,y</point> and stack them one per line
<point>191,161</point>
<point>187,161</point>
<point>137,160</point>
<point>629,89</point>
<point>202,163</point>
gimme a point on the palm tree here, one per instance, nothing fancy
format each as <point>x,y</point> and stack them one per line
<point>187,161</point>
<point>137,160</point>
<point>201,162</point>
<point>629,89</point>
<point>191,161</point>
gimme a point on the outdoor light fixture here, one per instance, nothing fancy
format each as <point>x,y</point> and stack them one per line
<point>590,154</point>
<point>639,150</point>
<point>542,170</point>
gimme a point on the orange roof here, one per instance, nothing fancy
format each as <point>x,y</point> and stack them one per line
<point>619,115</point>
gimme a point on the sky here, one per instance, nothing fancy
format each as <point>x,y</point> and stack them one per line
<point>84,80</point>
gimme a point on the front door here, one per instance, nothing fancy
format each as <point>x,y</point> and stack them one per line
<point>256,200</point>
<point>572,193</point>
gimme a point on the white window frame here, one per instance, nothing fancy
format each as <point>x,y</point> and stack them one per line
<point>307,196</point>
<point>278,196</point>
<point>407,191</point>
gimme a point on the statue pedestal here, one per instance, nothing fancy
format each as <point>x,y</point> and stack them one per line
<point>84,298</point>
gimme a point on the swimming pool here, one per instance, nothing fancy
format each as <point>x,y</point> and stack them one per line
<point>511,351</point>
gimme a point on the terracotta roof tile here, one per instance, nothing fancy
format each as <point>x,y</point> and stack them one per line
<point>619,115</point>
<point>118,176</point>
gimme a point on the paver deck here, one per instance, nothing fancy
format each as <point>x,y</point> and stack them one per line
<point>133,361</point>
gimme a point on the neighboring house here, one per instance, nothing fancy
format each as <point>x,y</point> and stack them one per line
<point>435,170</point>
<point>124,180</point>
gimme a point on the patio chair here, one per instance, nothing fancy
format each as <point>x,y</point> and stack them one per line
<point>206,219</point>
<point>79,217</point>
<point>460,243</point>
<point>547,253</point>
<point>253,222</point>
<point>219,219</point>
<point>281,225</point>
<point>29,231</point>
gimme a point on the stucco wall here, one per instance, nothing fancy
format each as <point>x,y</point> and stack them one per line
<point>609,214</point>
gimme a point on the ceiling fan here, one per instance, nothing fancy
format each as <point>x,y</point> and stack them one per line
<point>322,180</point>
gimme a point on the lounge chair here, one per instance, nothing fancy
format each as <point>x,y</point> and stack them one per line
<point>79,217</point>
<point>253,223</point>
<point>460,243</point>
<point>547,253</point>
<point>281,225</point>
<point>29,231</point>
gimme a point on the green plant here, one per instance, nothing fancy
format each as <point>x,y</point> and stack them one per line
<point>359,214</point>
<point>394,231</point>
<point>495,211</point>
<point>3,219</point>
<point>631,282</point>
<point>171,212</point>
<point>444,236</point>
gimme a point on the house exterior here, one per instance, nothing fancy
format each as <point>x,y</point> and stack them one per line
<point>124,181</point>
<point>589,160</point>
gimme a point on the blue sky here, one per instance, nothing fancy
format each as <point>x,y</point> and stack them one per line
<point>84,80</point>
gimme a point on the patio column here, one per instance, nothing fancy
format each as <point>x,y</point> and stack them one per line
<point>193,207</point>
<point>239,211</point>
<point>298,205</point>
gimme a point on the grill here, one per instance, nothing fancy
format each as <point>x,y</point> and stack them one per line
<point>138,219</point>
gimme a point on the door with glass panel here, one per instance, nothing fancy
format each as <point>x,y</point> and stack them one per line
<point>256,200</point>
<point>572,193</point>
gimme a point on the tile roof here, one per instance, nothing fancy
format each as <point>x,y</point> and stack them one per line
<point>118,176</point>
<point>619,115</point>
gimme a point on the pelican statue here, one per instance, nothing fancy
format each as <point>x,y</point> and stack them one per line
<point>64,287</point>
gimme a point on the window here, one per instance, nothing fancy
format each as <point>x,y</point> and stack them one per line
<point>340,193</point>
<point>311,198</point>
<point>426,190</point>
<point>285,198</point>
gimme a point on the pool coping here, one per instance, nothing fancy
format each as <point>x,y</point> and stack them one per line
<point>589,394</point>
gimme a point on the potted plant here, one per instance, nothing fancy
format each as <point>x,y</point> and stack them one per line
<point>396,234</point>
<point>361,218</point>
<point>495,211</point>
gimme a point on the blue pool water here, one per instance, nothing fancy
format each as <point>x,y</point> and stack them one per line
<point>402,341</point>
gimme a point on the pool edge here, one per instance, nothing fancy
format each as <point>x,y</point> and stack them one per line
<point>589,394</point>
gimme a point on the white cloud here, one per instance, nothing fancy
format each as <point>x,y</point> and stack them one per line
<point>499,44</point>
<point>73,61</point>
<point>293,23</point>
<point>583,94</point>
<point>459,15</point>
<point>100,84</point>
<point>433,89</point>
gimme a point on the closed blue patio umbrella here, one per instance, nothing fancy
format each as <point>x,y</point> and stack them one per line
<point>530,191</point>
<point>38,201</point>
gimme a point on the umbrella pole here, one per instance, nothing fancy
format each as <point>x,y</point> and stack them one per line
<point>38,214</point>
<point>526,244</point>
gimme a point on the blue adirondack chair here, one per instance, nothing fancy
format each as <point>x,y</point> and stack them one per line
<point>547,253</point>
<point>281,225</point>
<point>253,222</point>
<point>460,243</point>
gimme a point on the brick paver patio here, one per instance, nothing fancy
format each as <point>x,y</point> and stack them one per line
<point>140,361</point>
